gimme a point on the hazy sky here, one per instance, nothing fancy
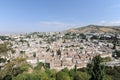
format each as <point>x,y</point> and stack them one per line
<point>56,15</point>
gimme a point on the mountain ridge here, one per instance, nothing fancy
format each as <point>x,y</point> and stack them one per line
<point>96,29</point>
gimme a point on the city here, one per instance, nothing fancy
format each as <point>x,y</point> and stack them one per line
<point>59,40</point>
<point>61,49</point>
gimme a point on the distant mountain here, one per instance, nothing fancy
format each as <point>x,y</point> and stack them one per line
<point>96,29</point>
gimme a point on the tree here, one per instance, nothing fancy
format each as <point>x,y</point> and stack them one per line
<point>7,77</point>
<point>75,69</point>
<point>114,45</point>
<point>65,70</point>
<point>106,59</point>
<point>39,66</point>
<point>62,76</point>
<point>34,55</point>
<point>81,76</point>
<point>94,37</point>
<point>51,74</point>
<point>3,60</point>
<point>82,36</point>
<point>58,52</point>
<point>112,72</point>
<point>14,68</point>
<point>115,41</point>
<point>96,69</point>
<point>117,53</point>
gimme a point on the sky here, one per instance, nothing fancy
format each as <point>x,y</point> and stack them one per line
<point>56,15</point>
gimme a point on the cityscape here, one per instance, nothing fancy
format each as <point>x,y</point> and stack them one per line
<point>59,50</point>
<point>59,40</point>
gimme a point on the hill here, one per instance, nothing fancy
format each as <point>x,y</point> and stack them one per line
<point>96,29</point>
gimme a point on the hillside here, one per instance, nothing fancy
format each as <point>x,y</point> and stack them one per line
<point>96,29</point>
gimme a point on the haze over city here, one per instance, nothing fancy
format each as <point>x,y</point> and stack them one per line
<point>56,15</point>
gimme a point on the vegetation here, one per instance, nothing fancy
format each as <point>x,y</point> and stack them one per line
<point>106,59</point>
<point>18,69</point>
<point>13,68</point>
<point>113,72</point>
<point>71,35</point>
<point>34,54</point>
<point>94,37</point>
<point>117,53</point>
<point>2,60</point>
<point>4,38</point>
<point>96,69</point>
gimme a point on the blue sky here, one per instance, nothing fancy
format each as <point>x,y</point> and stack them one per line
<point>56,15</point>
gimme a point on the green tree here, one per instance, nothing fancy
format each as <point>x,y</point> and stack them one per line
<point>51,74</point>
<point>106,59</point>
<point>59,52</point>
<point>14,68</point>
<point>34,54</point>
<point>3,60</point>
<point>96,69</point>
<point>36,75</point>
<point>115,41</point>
<point>113,72</point>
<point>81,76</point>
<point>66,70</point>
<point>117,53</point>
<point>62,76</point>
<point>7,77</point>
<point>83,36</point>
<point>94,37</point>
<point>75,69</point>
<point>39,66</point>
